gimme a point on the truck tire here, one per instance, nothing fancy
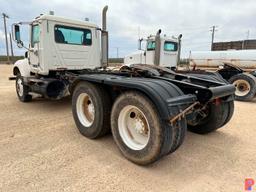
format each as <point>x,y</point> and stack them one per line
<point>138,131</point>
<point>180,130</point>
<point>217,116</point>
<point>229,111</point>
<point>22,90</point>
<point>91,108</point>
<point>245,86</point>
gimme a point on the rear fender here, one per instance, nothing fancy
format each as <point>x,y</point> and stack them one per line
<point>167,97</point>
<point>229,71</point>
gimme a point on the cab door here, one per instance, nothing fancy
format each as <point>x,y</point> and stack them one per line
<point>150,52</point>
<point>34,51</point>
<point>169,54</point>
<point>74,46</point>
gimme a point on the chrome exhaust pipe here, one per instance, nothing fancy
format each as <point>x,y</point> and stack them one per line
<point>179,49</point>
<point>104,18</point>
<point>104,38</point>
<point>157,48</point>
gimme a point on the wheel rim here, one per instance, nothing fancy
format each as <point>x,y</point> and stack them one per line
<point>242,87</point>
<point>19,87</point>
<point>85,109</point>
<point>133,127</point>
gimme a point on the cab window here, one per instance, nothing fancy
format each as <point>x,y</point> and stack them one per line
<point>72,35</point>
<point>170,46</point>
<point>35,35</point>
<point>151,45</point>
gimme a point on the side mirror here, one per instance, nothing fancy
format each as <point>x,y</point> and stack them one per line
<point>17,33</point>
<point>17,36</point>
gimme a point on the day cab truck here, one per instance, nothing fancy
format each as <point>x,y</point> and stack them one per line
<point>147,107</point>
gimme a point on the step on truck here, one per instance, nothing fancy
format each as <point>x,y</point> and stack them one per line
<point>148,107</point>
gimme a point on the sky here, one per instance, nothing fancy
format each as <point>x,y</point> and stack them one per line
<point>129,20</point>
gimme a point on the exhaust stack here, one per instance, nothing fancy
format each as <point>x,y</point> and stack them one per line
<point>179,49</point>
<point>157,48</point>
<point>104,38</point>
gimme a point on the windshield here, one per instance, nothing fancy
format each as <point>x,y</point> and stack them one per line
<point>170,46</point>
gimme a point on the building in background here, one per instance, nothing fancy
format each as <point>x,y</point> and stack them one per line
<point>238,45</point>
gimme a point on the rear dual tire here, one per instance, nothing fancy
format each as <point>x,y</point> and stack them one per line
<point>218,115</point>
<point>140,134</point>
<point>91,108</point>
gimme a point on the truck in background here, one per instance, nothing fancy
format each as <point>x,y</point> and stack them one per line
<point>236,66</point>
<point>167,56</point>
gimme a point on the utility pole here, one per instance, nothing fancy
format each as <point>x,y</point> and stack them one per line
<point>10,35</point>
<point>244,41</point>
<point>213,30</point>
<point>6,38</point>
<point>248,34</point>
<point>117,52</point>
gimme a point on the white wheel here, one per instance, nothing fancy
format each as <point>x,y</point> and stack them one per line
<point>85,109</point>
<point>91,106</point>
<point>139,131</point>
<point>22,90</point>
<point>245,86</point>
<point>133,127</point>
<point>242,87</point>
<point>19,87</point>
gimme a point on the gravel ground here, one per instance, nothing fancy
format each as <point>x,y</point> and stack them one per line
<point>42,150</point>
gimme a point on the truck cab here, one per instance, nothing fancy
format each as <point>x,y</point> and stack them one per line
<point>168,52</point>
<point>57,45</point>
<point>60,43</point>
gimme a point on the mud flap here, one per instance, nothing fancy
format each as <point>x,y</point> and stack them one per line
<point>181,104</point>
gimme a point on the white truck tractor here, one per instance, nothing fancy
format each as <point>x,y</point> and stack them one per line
<point>236,66</point>
<point>57,45</point>
<point>147,107</point>
<point>168,55</point>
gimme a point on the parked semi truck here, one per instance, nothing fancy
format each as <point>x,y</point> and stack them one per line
<point>236,66</point>
<point>167,56</point>
<point>147,107</point>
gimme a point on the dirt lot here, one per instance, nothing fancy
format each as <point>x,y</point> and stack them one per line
<point>41,150</point>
